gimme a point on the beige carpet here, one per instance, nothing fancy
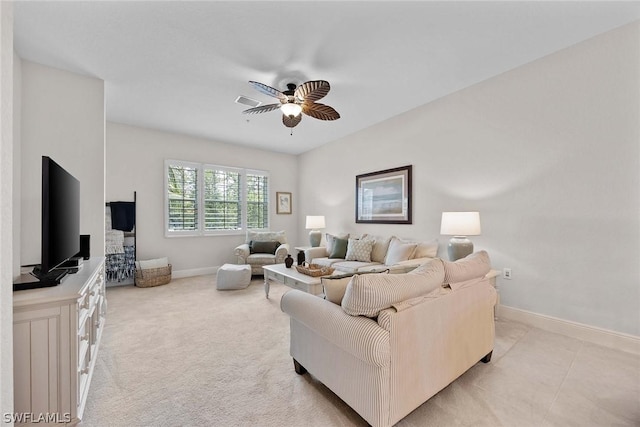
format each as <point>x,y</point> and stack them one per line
<point>185,354</point>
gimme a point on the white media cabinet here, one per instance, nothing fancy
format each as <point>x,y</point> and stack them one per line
<point>56,334</point>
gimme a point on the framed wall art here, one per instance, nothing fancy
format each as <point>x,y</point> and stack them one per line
<point>384,197</point>
<point>283,203</point>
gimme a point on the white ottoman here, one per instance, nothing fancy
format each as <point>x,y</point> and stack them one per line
<point>233,276</point>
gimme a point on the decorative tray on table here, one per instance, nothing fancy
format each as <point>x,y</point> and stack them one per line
<point>314,270</point>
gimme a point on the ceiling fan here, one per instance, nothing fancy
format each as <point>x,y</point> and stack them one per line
<point>297,100</point>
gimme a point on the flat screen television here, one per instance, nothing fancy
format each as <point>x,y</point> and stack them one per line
<point>60,221</point>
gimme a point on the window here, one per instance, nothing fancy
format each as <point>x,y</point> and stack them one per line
<point>206,199</point>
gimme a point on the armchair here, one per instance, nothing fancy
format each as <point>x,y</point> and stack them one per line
<point>257,249</point>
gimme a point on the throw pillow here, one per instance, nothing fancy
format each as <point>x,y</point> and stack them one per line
<point>334,288</point>
<point>399,251</point>
<point>339,248</point>
<point>330,239</point>
<point>367,295</point>
<point>475,265</point>
<point>263,247</point>
<point>153,263</point>
<point>426,249</point>
<point>359,250</point>
<point>380,247</point>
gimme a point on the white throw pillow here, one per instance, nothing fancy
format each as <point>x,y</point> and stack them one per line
<point>153,263</point>
<point>359,250</point>
<point>427,249</point>
<point>367,295</point>
<point>399,251</point>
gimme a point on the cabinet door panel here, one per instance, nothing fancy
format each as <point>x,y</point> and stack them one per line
<point>44,360</point>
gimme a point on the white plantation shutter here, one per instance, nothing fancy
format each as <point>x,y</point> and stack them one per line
<point>257,200</point>
<point>222,200</point>
<point>207,199</point>
<point>182,194</point>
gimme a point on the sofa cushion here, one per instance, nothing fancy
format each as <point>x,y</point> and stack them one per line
<point>263,247</point>
<point>359,250</point>
<point>367,294</point>
<point>399,251</point>
<point>330,239</point>
<point>475,265</point>
<point>380,247</point>
<point>353,266</point>
<point>326,262</point>
<point>339,249</point>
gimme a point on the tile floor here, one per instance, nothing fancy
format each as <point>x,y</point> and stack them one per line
<point>538,378</point>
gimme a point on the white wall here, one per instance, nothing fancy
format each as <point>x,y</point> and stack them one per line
<point>135,162</point>
<point>63,117</point>
<point>549,155</point>
<point>6,209</point>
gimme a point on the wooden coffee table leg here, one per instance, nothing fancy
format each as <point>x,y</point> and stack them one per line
<point>266,285</point>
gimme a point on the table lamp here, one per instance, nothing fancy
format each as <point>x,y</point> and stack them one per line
<point>315,222</point>
<point>460,225</point>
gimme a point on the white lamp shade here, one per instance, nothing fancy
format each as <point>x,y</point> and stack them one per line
<point>315,222</point>
<point>460,224</point>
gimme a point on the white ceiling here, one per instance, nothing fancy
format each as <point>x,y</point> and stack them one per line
<point>178,66</point>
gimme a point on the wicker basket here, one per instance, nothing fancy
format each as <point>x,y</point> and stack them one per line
<point>314,270</point>
<point>153,276</point>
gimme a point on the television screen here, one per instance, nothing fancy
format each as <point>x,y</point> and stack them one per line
<point>60,215</point>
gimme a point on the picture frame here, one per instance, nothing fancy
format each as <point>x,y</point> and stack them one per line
<point>384,197</point>
<point>283,202</point>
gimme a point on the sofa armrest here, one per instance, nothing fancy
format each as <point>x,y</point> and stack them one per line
<point>242,252</point>
<point>281,253</point>
<point>318,252</point>
<point>358,335</point>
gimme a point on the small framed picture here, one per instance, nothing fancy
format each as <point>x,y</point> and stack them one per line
<point>283,203</point>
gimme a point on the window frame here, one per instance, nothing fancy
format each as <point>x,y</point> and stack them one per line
<point>200,228</point>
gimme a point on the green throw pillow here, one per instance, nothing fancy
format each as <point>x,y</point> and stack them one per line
<point>263,247</point>
<point>339,248</point>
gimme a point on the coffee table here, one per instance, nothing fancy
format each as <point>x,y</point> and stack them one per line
<point>290,277</point>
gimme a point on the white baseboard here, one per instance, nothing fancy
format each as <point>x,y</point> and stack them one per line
<point>604,337</point>
<point>178,274</point>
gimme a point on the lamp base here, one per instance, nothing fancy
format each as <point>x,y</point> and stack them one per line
<point>314,238</point>
<point>459,247</point>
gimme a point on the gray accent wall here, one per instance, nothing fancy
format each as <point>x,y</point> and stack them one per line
<point>548,153</point>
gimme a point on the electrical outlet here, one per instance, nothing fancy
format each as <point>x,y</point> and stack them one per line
<point>506,273</point>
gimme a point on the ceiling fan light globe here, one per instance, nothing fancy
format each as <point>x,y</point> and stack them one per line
<point>291,109</point>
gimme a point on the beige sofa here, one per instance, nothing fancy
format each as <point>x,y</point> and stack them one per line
<point>371,253</point>
<point>396,339</point>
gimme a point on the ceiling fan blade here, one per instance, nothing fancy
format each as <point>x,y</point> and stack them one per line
<point>312,91</point>
<point>262,109</point>
<point>291,121</point>
<point>320,111</point>
<point>268,90</point>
